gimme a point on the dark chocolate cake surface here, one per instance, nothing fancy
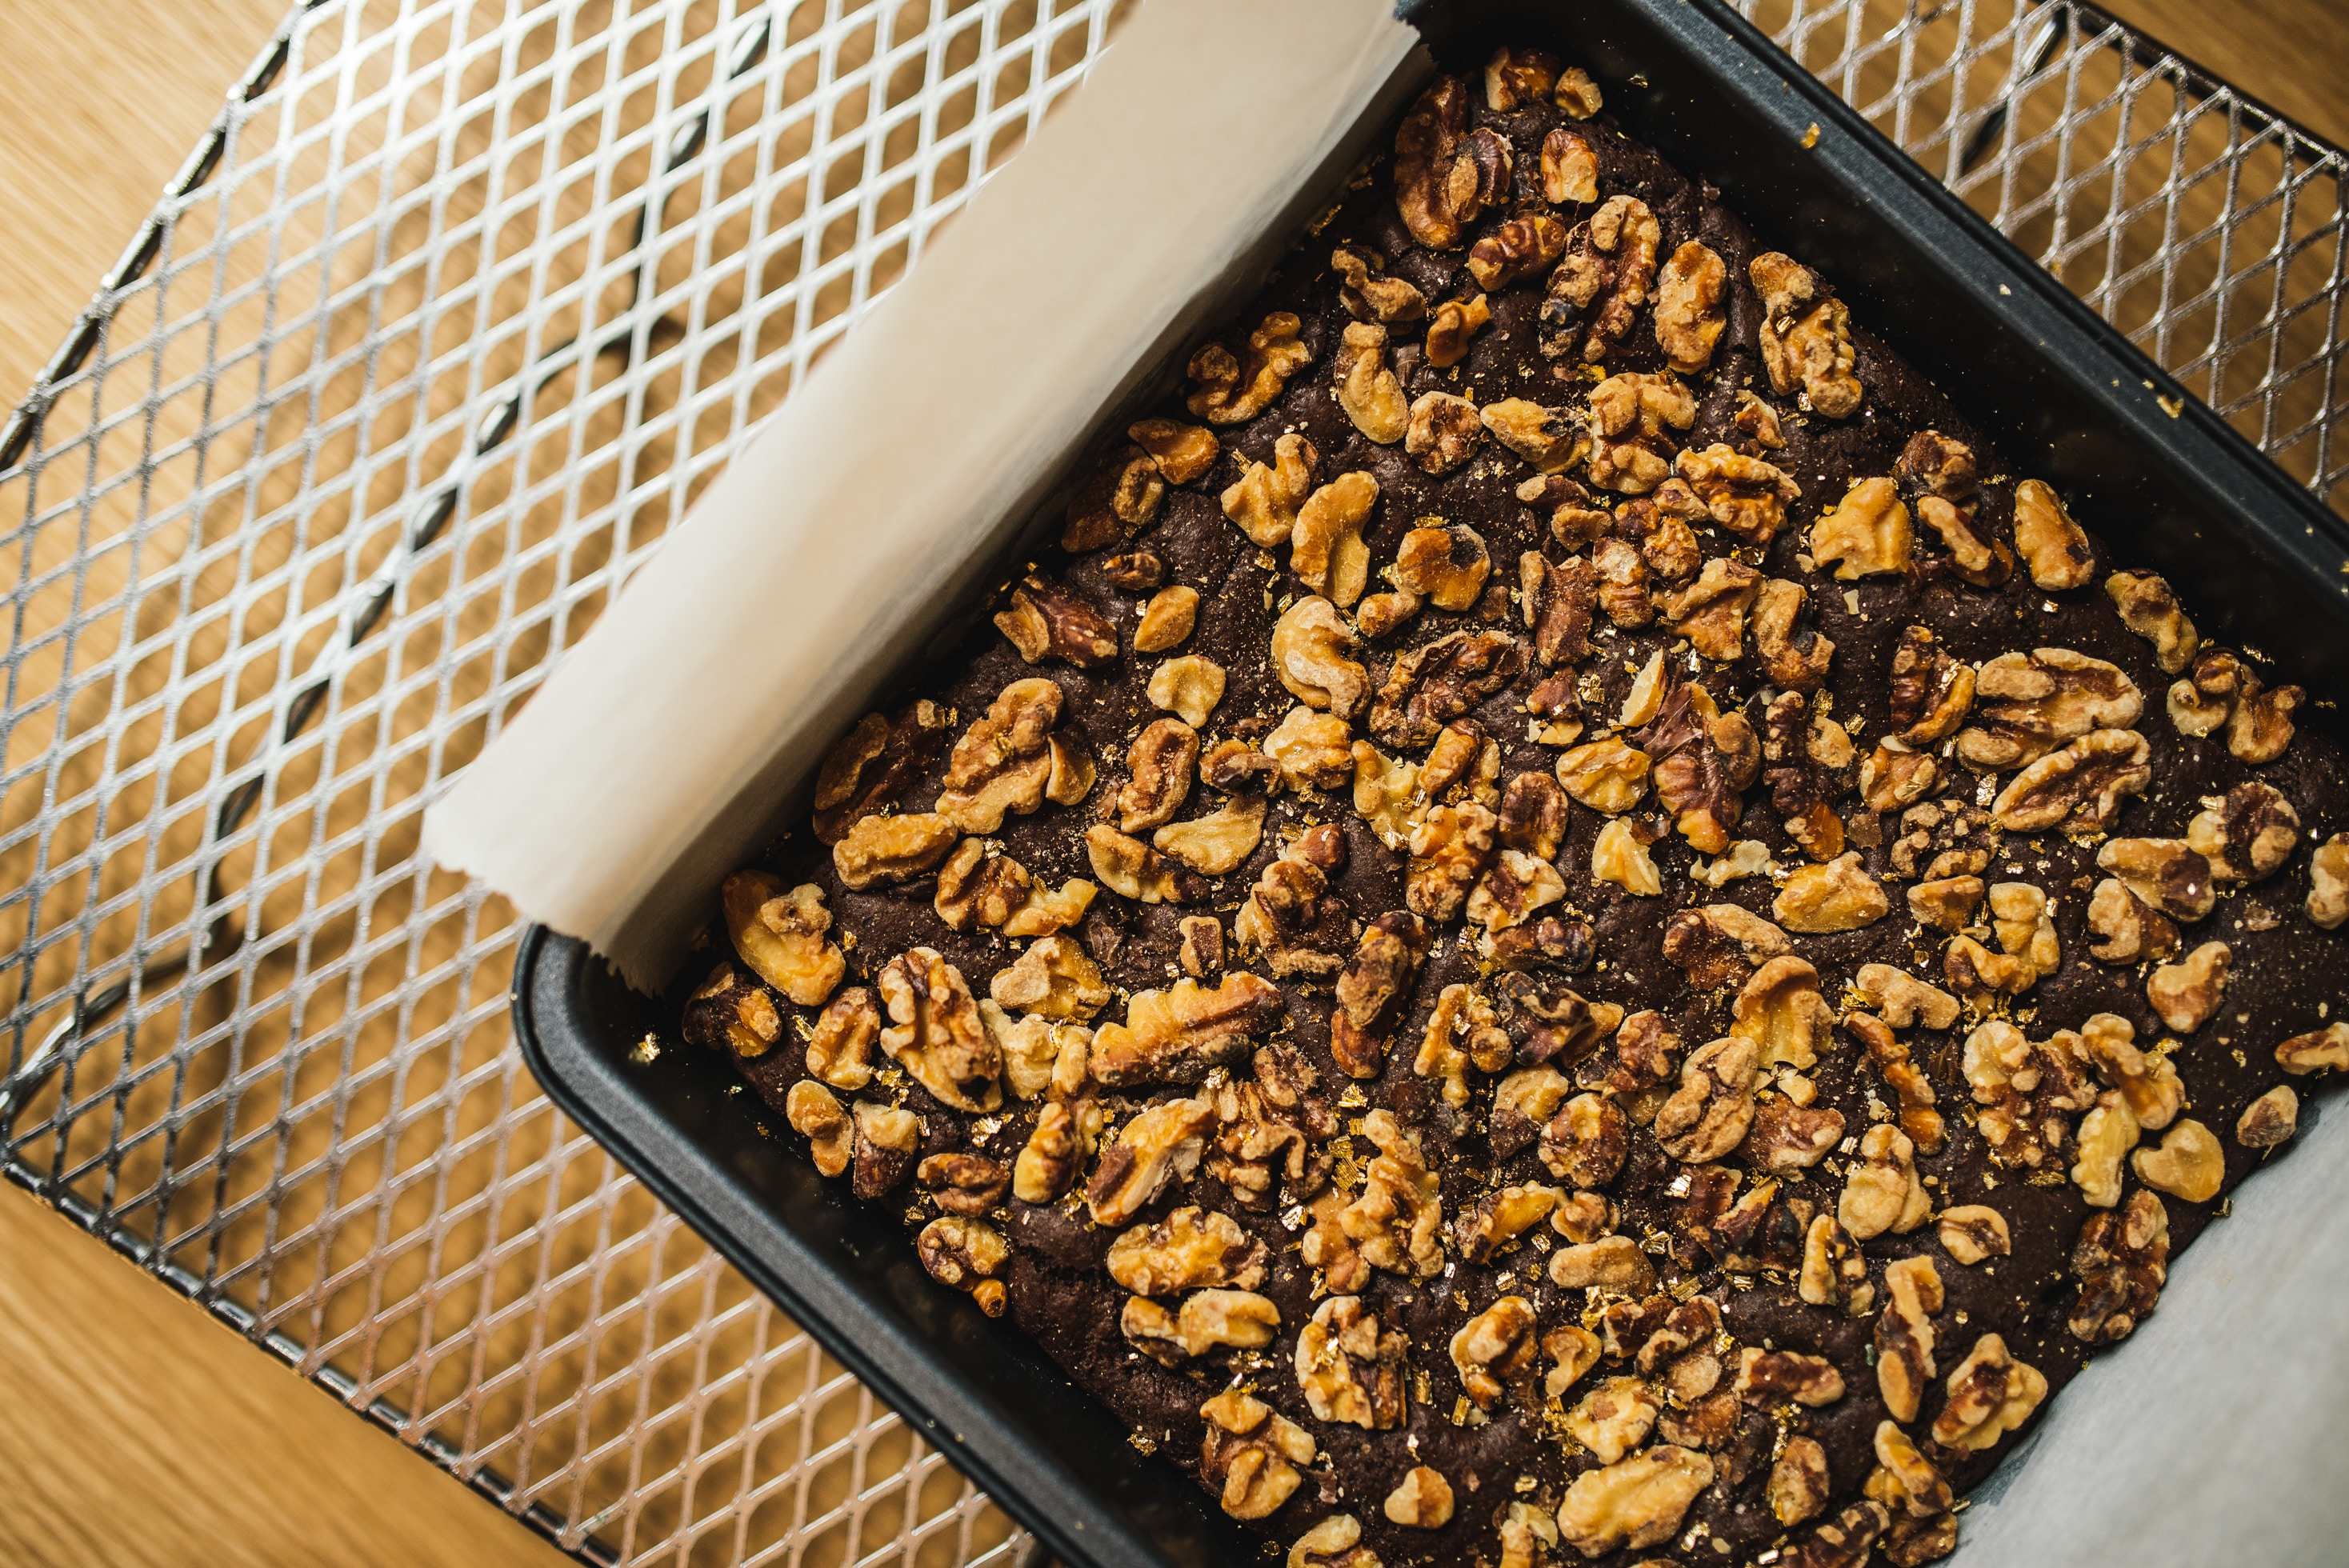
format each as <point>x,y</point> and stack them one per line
<point>1570,925</point>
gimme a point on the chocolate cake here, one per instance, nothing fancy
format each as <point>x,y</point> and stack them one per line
<point>1570,923</point>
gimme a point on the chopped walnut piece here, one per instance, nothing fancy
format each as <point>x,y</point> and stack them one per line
<point>1397,1222</point>
<point>814,1113</point>
<point>1931,691</point>
<point>1607,775</point>
<point>1798,1484</point>
<point>1493,1352</point>
<point>894,849</point>
<point>2328,883</point>
<point>1291,915</point>
<point>1904,1479</point>
<point>1421,1501</point>
<point>1443,433</point>
<point>1771,1376</point>
<point>1182,452</point>
<point>1557,601</point>
<point>1062,1139</point>
<point>1690,308</point>
<point>1711,611</point>
<point>1130,868</point>
<point>1135,571</point>
<point>1584,1143</point>
<point>1054,979</point>
<point>1369,296</point>
<point>2148,608</point>
<point>1046,621</point>
<point>2050,542</point>
<point>1216,843</point>
<point>2187,994</point>
<point>1374,985</point>
<point>1443,173</point>
<point>1514,886</point>
<point>1609,1264</point>
<point>2146,1079</point>
<point>1188,686</point>
<point>1945,903</point>
<point>1167,620</point>
<point>2079,788</point>
<point>977,889</point>
<point>1162,1144</point>
<point>2122,1261</point>
<point>1264,499</point>
<point>1720,944</point>
<point>1632,416</point>
<point>1003,763</point>
<point>1708,1115</point>
<point>1335,1543</point>
<point>2027,704</point>
<point>1866,534</point>
<point>2027,1086</point>
<point>1177,1034</point>
<point>2167,874</point>
<point>1620,579</point>
<point>1119,498</point>
<point>2107,1134</point>
<point>1551,440</point>
<point>1445,566</point>
<point>1781,1011</point>
<point>936,1033</point>
<point>1464,1031</point>
<point>1209,1320</point>
<point>730,1011</point>
<point>2205,698</point>
<point>1428,687</point>
<point>1806,336</point>
<point>1973,1231</point>
<point>1636,1502</point>
<point>1232,388</point>
<point>1605,277</point>
<point>1350,1371</point>
<point>1845,1540</point>
<point>2317,1051</point>
<point>1449,846</point>
<point>1034,1048</point>
<point>1516,250</point>
<point>1619,855</point>
<point>887,1141</point>
<point>2261,727</point>
<point>1251,1454</point>
<point>1366,386</point>
<point>964,1254</point>
<point>2246,833</point>
<point>1161,763</point>
<point>1787,1137</point>
<point>1493,1222</point>
<point>1573,1351</point>
<point>1833,1271</point>
<point>1577,94</point>
<point>1904,1000</point>
<point>1569,170</point>
<point>1905,1076</point>
<point>1904,1333</point>
<point>1881,1191</point>
<point>2190,1163</point>
<point>840,1046</point>
<point>1743,494</point>
<point>1838,896</point>
<point>1614,1418</point>
<point>850,787</point>
<point>1190,1249</point>
<point>1776,605</point>
<point>1307,750</point>
<point>1984,561</point>
<point>1309,643</point>
<point>1270,1142</point>
<point>1454,325</point>
<point>2270,1119</point>
<point>1990,1393</point>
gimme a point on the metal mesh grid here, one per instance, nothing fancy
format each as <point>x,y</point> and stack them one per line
<point>444,326</point>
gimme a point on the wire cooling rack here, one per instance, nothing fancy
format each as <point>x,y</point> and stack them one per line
<point>437,334</point>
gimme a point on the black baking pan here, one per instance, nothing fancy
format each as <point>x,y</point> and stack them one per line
<point>2051,382</point>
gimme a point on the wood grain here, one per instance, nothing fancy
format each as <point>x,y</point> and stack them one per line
<point>138,1430</point>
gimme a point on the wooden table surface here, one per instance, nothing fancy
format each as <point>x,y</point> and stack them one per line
<point>137,1430</point>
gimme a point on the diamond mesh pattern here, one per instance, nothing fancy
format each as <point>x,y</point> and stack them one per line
<point>442,329</point>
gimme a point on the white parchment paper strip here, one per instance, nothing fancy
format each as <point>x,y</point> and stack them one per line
<point>658,756</point>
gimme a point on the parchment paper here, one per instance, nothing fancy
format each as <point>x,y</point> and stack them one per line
<point>664,750</point>
<point>661,754</point>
